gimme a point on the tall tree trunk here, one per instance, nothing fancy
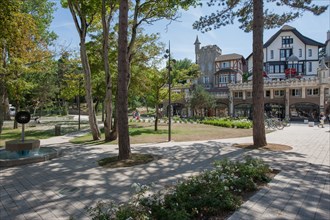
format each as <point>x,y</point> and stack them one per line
<point>2,87</point>
<point>114,128</point>
<point>81,27</point>
<point>88,88</point>
<point>123,71</point>
<point>156,117</point>
<point>6,103</point>
<point>108,81</point>
<point>259,136</point>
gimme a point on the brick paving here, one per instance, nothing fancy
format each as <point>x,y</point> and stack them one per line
<point>63,187</point>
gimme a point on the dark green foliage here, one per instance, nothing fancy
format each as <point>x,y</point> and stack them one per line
<point>213,193</point>
<point>242,10</point>
<point>228,122</point>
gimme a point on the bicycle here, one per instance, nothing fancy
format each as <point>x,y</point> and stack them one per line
<point>286,122</point>
<point>274,123</point>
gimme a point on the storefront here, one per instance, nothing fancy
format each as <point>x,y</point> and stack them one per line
<point>304,111</point>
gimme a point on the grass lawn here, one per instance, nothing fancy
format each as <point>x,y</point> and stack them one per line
<point>144,133</point>
<point>37,131</point>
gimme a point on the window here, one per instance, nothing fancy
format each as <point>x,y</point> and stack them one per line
<point>223,79</point>
<point>249,94</point>
<point>284,53</point>
<point>286,41</point>
<point>276,68</point>
<point>271,54</point>
<point>232,78</point>
<point>267,93</point>
<point>295,92</point>
<point>225,64</point>
<point>300,68</point>
<point>279,93</point>
<point>309,52</point>
<point>309,66</point>
<point>238,94</point>
<point>300,52</point>
<point>205,80</point>
<point>312,91</point>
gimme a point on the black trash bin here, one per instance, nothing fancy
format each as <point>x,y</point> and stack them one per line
<point>57,130</point>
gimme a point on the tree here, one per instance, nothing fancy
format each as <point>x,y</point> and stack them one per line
<point>83,14</point>
<point>122,88</point>
<point>253,17</point>
<point>106,19</point>
<point>157,92</point>
<point>7,11</point>
<point>201,99</point>
<point>143,12</point>
<point>21,47</point>
<point>184,71</point>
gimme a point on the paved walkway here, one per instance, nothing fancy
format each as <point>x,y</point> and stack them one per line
<point>64,186</point>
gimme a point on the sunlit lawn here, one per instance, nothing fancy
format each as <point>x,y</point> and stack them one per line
<point>12,134</point>
<point>140,132</point>
<point>40,131</point>
<point>145,133</point>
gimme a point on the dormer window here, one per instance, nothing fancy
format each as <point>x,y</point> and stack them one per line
<point>287,41</point>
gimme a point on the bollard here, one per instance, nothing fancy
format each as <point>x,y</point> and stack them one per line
<point>57,130</point>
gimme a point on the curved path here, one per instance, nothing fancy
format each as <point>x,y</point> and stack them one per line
<point>64,186</point>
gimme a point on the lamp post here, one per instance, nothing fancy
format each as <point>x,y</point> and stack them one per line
<point>169,109</point>
<point>79,80</point>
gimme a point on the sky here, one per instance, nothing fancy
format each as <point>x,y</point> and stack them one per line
<point>182,36</point>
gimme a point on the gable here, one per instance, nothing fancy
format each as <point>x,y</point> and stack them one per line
<point>302,38</point>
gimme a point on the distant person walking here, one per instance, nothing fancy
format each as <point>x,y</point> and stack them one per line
<point>322,119</point>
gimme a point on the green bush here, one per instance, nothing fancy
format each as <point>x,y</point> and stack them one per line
<point>228,122</point>
<point>209,194</point>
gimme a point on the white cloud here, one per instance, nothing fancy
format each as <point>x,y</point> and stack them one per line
<point>62,25</point>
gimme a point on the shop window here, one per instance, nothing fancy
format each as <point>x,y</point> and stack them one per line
<point>312,92</point>
<point>267,94</point>
<point>295,92</point>
<point>279,93</point>
<point>238,95</point>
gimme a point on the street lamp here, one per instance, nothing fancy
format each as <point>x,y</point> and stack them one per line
<point>169,109</point>
<point>79,81</point>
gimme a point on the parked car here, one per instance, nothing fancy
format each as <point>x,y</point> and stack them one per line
<point>12,110</point>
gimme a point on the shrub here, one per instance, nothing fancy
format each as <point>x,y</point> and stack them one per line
<point>209,194</point>
<point>228,122</point>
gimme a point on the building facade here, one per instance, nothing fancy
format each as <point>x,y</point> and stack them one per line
<point>289,54</point>
<point>297,79</point>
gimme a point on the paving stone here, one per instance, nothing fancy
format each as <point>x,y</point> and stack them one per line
<point>303,180</point>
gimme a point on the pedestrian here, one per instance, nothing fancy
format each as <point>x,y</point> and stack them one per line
<point>322,119</point>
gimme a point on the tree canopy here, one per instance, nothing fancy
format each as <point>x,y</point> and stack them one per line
<point>242,10</point>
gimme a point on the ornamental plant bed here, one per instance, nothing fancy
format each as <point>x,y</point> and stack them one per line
<point>213,194</point>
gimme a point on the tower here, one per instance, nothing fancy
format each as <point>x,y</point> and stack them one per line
<point>197,48</point>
